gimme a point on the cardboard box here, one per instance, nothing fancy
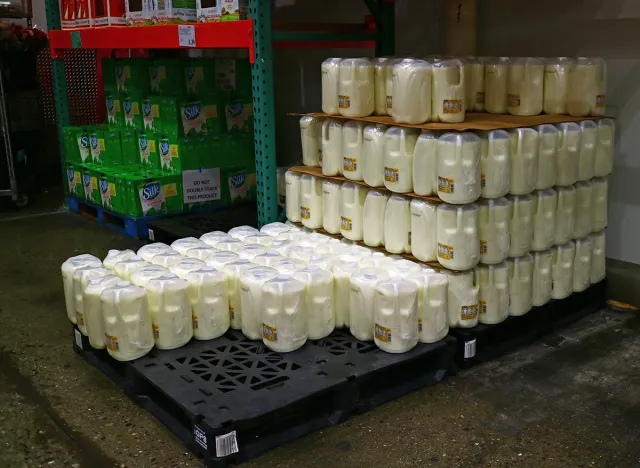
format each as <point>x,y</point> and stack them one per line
<point>147,150</point>
<point>200,116</point>
<point>90,183</point>
<point>132,76</point>
<point>83,18</point>
<point>112,153</point>
<point>131,111</point>
<point>151,193</point>
<point>137,12</point>
<point>107,13</point>
<point>232,10</point>
<point>74,180</point>
<point>70,143</point>
<point>207,11</point>
<point>113,106</point>
<point>129,146</point>
<point>84,148</point>
<point>173,11</point>
<point>68,14</point>
<point>111,197</point>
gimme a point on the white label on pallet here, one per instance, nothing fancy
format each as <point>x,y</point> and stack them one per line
<point>151,235</point>
<point>186,35</point>
<point>226,444</point>
<point>200,436</point>
<point>78,338</point>
<point>201,185</point>
<point>469,349</point>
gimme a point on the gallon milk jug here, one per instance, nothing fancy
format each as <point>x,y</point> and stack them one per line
<point>313,240</point>
<point>142,276</point>
<point>269,258</point>
<point>170,311</point>
<point>520,285</point>
<point>425,163</point>
<point>289,266</point>
<point>587,156</point>
<point>458,168</point>
<point>447,91</point>
<point>93,318</point>
<point>496,75</point>
<point>397,225</point>
<point>234,271</point>
<point>282,187</point>
<point>495,150</point>
<point>403,268</point>
<point>265,240</point>
<point>299,252</point>
<point>293,197</point>
<point>115,256</point>
<point>556,85</point>
<point>433,319</point>
<point>399,146</point>
<point>582,264</point>
<point>281,245</point>
<point>352,149</point>
<point>128,333</point>
<point>330,79</point>
<point>458,237</point>
<point>411,90</point>
<point>524,160</point>
<point>351,210</point>
<point>182,268</point>
<point>547,156</point>
<point>493,294</point>
<point>376,260</point>
<point>321,260</point>
<point>494,218</point>
<point>81,278</point>
<point>241,232</point>
<point>68,268</point>
<point>212,238</point>
<point>586,89</point>
<point>521,224</point>
<point>356,94</point>
<point>423,230</point>
<point>389,84</point>
<point>319,302</point>
<point>565,214</point>
<point>342,272</point>
<point>604,148</point>
<point>311,201</point>
<point>128,267</point>
<point>584,210</point>
<point>542,262</point>
<point>273,229</point>
<point>230,245</point>
<point>182,245</point>
<point>331,206</point>
<point>200,253</point>
<point>462,299</point>
<point>545,205</point>
<point>373,218</point>
<point>474,84</point>
<point>373,151</point>
<point>310,128</point>
<point>147,252</point>
<point>332,147</point>
<point>334,247</point>
<point>219,259</point>
<point>598,260</point>
<point>251,251</point>
<point>524,86</point>
<point>207,291</point>
<point>562,270</point>
<point>599,193</point>
<point>284,324</point>
<point>166,259</point>
<point>380,80</point>
<point>395,315</point>
<point>363,285</point>
<point>251,283</point>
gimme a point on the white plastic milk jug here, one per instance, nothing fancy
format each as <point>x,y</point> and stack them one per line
<point>525,86</point>
<point>411,91</point>
<point>545,206</point>
<point>311,201</point>
<point>356,94</point>
<point>458,168</point>
<point>310,128</point>
<point>363,283</point>
<point>599,193</point>
<point>332,147</point>
<point>319,301</point>
<point>524,160</point>
<point>399,146</point>
<point>182,245</point>
<point>115,256</point>
<point>565,216</point>
<point>293,196</point>
<point>520,285</point>
<point>586,94</point>
<point>284,324</point>
<point>93,317</point>
<point>562,270</point>
<point>81,279</point>
<point>448,91</point>
<point>299,252</point>
<point>380,79</point>
<point>170,311</point>
<point>200,253</point>
<point>458,237</point>
<point>251,283</point>
<point>219,259</point>
<point>142,276</point>
<point>230,245</point>
<point>403,268</point>
<point>351,210</point>
<point>128,333</point>
<point>128,267</point>
<point>568,153</point>
<point>598,260</point>
<point>147,252</point>
<point>269,258</point>
<point>330,79</point>
<point>521,224</point>
<point>242,232</point>
<point>588,143</point>
<point>389,83</point>
<point>496,74</point>
<point>273,229</point>
<point>495,150</point>
<point>584,210</point>
<point>474,84</point>
<point>424,230</point>
<point>395,315</point>
<point>556,85</point>
<point>397,225</point>
<point>234,271</point>
<point>251,251</point>
<point>331,206</point>
<point>289,266</point>
<point>425,163</point>
<point>376,260</point>
<point>542,262</point>
<point>582,264</point>
<point>352,149</point>
<point>373,214</point>
<point>207,291</point>
<point>547,156</point>
<point>433,319</point>
<point>182,268</point>
<point>493,293</point>
<point>494,218</point>
<point>342,272</point>
<point>167,258</point>
<point>67,269</point>
<point>212,238</point>
<point>373,151</point>
<point>260,238</point>
<point>462,299</point>
<point>605,146</point>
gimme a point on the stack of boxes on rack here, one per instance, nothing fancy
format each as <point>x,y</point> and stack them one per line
<point>166,120</point>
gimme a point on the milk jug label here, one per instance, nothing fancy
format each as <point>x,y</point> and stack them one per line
<point>483,307</point>
<point>469,312</point>
<point>452,106</point>
<point>80,318</point>
<point>194,322</point>
<point>391,174</point>
<point>346,224</point>
<point>389,102</point>
<point>269,333</point>
<point>111,342</point>
<point>445,185</point>
<point>483,247</point>
<point>382,333</point>
<point>344,102</point>
<point>480,97</point>
<point>513,100</point>
<point>600,100</point>
<point>305,212</point>
<point>483,180</point>
<point>151,197</point>
<point>445,251</point>
<point>419,325</point>
<point>156,331</point>
<point>232,311</point>
<point>350,164</point>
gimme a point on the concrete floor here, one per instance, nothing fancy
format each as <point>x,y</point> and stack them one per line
<point>570,401</point>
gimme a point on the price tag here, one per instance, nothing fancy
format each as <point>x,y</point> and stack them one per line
<point>187,35</point>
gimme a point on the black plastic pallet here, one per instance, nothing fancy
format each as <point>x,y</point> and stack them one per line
<point>231,399</point>
<point>485,342</point>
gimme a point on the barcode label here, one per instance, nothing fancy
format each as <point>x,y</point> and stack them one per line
<point>226,444</point>
<point>78,338</point>
<point>469,349</point>
<point>151,235</point>
<point>200,436</point>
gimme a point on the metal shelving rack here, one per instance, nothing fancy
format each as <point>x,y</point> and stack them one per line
<point>379,32</point>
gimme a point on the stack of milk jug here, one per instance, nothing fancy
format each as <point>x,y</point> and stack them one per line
<point>282,284</point>
<point>415,91</point>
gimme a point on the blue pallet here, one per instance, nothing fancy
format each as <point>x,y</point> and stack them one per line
<point>138,228</point>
